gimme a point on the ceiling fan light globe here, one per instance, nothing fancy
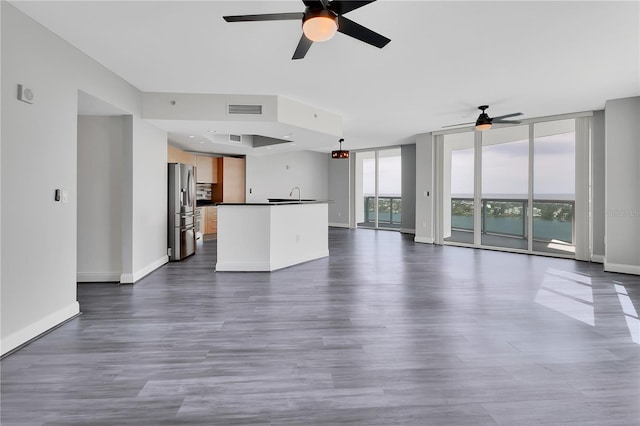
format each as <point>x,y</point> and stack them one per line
<point>483,126</point>
<point>320,28</point>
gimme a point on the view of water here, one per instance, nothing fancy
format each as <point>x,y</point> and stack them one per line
<point>542,229</point>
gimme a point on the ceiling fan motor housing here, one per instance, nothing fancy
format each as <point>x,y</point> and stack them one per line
<point>483,118</point>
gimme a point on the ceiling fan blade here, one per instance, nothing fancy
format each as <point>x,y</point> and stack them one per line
<point>303,47</point>
<point>265,17</point>
<point>515,114</point>
<point>342,7</point>
<point>459,124</point>
<point>352,29</point>
<point>497,121</point>
<point>314,4</point>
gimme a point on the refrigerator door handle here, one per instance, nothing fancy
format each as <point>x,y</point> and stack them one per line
<point>190,187</point>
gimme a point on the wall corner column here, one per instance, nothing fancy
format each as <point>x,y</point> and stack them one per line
<point>424,189</point>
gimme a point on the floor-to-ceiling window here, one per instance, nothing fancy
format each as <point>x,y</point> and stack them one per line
<point>505,188</point>
<point>458,192</point>
<point>379,188</point>
<point>511,188</point>
<point>554,184</point>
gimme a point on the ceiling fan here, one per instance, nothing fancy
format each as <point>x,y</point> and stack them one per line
<point>321,19</point>
<point>484,122</point>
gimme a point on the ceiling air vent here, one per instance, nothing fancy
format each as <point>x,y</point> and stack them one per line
<point>244,109</point>
<point>235,138</point>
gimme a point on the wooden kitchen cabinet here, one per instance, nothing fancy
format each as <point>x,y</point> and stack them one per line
<point>231,180</point>
<point>210,219</point>
<point>176,155</point>
<point>206,169</point>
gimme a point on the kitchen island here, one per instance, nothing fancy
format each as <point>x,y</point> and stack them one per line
<point>270,236</point>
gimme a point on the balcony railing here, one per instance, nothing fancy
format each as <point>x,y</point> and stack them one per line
<point>389,211</point>
<point>552,219</point>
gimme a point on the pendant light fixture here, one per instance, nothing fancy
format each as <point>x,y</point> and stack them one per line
<point>340,153</point>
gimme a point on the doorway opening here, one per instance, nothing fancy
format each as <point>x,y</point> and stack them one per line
<point>378,189</point>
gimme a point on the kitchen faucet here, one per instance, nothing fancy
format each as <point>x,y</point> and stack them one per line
<point>291,193</point>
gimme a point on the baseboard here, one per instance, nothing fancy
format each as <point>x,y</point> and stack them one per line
<point>423,240</point>
<point>39,327</point>
<point>339,225</point>
<point>267,266</point>
<point>597,258</point>
<point>407,231</point>
<point>97,277</point>
<point>143,272</point>
<point>298,260</point>
<point>621,268</point>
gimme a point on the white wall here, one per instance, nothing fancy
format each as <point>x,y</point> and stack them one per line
<point>358,184</point>
<point>100,140</point>
<point>149,199</point>
<point>39,151</point>
<point>1,350</point>
<point>424,184</point>
<point>622,188</point>
<point>274,176</point>
<point>598,186</point>
<point>338,191</point>
<point>408,158</point>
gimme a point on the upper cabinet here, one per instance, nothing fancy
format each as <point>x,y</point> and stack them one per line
<point>176,155</point>
<point>206,170</point>
<point>231,180</point>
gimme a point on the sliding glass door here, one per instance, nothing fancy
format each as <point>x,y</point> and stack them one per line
<point>554,195</point>
<point>458,191</point>
<point>511,188</point>
<point>505,188</point>
<point>378,189</point>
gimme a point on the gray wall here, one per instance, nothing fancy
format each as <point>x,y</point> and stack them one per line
<point>598,186</point>
<point>339,186</point>
<point>408,156</point>
<point>622,191</point>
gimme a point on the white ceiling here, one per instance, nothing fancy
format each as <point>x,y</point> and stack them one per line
<point>445,58</point>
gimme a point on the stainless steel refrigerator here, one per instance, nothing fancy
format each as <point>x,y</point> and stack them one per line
<point>182,211</point>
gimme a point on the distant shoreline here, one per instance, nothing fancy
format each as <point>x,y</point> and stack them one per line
<point>558,197</point>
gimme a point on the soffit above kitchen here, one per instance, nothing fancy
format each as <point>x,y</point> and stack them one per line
<point>208,122</point>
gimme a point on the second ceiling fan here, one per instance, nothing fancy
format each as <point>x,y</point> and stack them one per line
<point>320,21</point>
<point>484,122</point>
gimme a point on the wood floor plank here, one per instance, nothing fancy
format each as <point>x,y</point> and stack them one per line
<point>384,331</point>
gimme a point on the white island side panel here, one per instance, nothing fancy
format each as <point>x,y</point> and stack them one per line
<point>270,237</point>
<point>299,233</point>
<point>243,238</point>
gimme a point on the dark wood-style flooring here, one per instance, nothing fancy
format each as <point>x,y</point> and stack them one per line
<point>383,332</point>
